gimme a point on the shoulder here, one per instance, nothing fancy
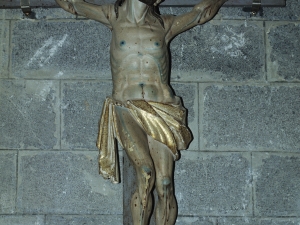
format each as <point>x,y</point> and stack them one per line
<point>109,11</point>
<point>168,20</point>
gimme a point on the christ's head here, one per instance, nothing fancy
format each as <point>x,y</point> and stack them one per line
<point>152,5</point>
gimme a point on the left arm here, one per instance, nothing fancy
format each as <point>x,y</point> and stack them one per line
<point>201,13</point>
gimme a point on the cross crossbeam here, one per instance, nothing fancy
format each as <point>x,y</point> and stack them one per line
<point>6,4</point>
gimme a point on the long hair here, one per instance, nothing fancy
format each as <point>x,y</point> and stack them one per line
<point>153,11</point>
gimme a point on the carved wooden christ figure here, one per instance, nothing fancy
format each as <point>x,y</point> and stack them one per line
<point>143,113</point>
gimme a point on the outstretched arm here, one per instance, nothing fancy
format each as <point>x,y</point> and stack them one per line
<point>201,13</point>
<point>91,11</point>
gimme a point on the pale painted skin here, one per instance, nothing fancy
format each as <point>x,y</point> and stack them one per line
<point>140,69</point>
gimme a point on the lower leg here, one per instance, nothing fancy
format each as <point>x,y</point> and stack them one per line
<point>141,202</point>
<point>166,208</point>
<point>140,215</point>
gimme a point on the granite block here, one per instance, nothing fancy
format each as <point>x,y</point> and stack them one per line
<point>175,11</point>
<point>239,221</point>
<point>22,220</point>
<point>251,118</point>
<point>81,110</point>
<point>290,12</point>
<point>279,221</point>
<point>82,220</point>
<point>195,221</point>
<point>277,184</point>
<point>4,48</point>
<point>8,184</point>
<point>189,95</point>
<point>60,49</point>
<point>220,51</point>
<point>225,12</point>
<point>257,221</point>
<point>213,184</point>
<point>283,51</point>
<point>29,114</point>
<point>237,13</point>
<point>38,14</point>
<point>65,183</point>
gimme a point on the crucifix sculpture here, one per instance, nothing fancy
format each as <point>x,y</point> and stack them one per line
<point>143,113</point>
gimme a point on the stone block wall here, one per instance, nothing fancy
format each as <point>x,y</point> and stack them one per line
<point>238,77</point>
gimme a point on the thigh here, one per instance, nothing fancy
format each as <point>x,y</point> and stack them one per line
<point>162,158</point>
<point>133,137</point>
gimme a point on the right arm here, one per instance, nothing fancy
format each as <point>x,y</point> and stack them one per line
<point>201,13</point>
<point>99,13</point>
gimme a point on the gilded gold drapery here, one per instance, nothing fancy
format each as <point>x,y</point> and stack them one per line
<point>163,122</point>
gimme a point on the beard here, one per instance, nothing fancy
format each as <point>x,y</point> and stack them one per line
<point>148,2</point>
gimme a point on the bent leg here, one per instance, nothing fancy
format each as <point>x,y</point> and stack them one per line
<point>134,140</point>
<point>166,208</point>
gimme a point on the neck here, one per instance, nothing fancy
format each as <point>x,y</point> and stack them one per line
<point>136,10</point>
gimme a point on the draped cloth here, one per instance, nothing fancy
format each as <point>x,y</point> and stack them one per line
<point>163,122</point>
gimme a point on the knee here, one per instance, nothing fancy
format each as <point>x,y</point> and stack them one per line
<point>166,181</point>
<point>147,175</point>
<point>146,169</point>
<point>164,187</point>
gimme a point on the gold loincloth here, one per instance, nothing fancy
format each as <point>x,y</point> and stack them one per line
<point>163,122</point>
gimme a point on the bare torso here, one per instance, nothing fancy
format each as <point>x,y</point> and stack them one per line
<point>140,61</point>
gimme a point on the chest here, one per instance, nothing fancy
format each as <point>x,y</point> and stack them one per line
<point>147,38</point>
